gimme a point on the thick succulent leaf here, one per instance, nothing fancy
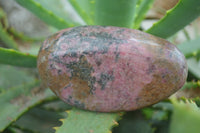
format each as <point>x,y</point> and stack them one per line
<point>158,116</point>
<point>161,126</point>
<point>177,18</point>
<point>80,121</point>
<point>185,118</point>
<point>60,8</point>
<point>16,101</point>
<point>142,7</point>
<point>13,76</point>
<point>88,6</point>
<point>22,37</point>
<point>133,122</point>
<point>194,67</point>
<point>15,58</point>
<point>7,39</point>
<point>43,119</point>
<point>86,12</point>
<point>47,15</point>
<point>4,36</point>
<point>3,19</point>
<point>190,48</point>
<point>115,12</point>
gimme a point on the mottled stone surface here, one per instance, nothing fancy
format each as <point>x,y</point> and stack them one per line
<point>110,69</point>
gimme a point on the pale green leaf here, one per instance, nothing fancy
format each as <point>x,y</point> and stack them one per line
<point>88,6</point>
<point>185,118</point>
<point>194,67</point>
<point>176,18</point>
<point>84,14</point>
<point>115,12</point>
<point>13,76</point>
<point>47,15</point>
<point>142,9</point>
<point>80,121</point>
<point>189,48</point>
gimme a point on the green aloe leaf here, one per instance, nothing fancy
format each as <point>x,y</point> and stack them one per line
<point>190,48</point>
<point>15,58</point>
<point>133,122</point>
<point>185,118</point>
<point>115,12</point>
<point>3,18</point>
<point>194,67</point>
<point>38,117</point>
<point>177,18</point>
<point>13,76</point>
<point>47,15</point>
<point>7,39</point>
<point>142,7</point>
<point>17,101</point>
<point>59,8</point>
<point>22,37</point>
<point>84,9</point>
<point>80,121</point>
<point>88,6</point>
<point>4,36</point>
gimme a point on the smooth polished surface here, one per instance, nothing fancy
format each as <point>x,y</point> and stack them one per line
<point>110,69</point>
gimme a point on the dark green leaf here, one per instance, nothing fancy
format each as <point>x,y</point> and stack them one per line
<point>42,119</point>
<point>16,101</point>
<point>133,122</point>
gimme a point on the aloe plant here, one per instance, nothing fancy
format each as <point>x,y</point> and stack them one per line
<point>18,101</point>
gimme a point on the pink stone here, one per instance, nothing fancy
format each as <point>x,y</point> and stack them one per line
<point>110,69</point>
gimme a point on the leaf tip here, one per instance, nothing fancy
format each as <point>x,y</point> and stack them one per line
<point>115,123</point>
<point>56,128</point>
<point>62,120</point>
<point>67,111</point>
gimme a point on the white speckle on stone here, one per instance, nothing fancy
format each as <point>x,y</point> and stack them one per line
<point>43,59</point>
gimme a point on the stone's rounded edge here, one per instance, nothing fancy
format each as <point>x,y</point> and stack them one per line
<point>92,88</point>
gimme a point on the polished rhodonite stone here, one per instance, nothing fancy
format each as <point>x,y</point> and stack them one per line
<point>110,69</point>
